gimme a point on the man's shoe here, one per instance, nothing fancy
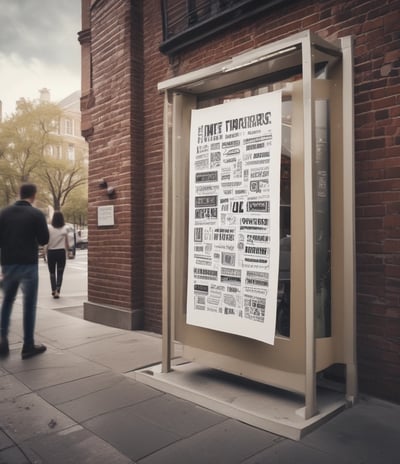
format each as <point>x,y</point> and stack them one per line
<point>32,350</point>
<point>4,348</point>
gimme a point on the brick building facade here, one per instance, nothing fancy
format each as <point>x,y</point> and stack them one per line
<point>125,55</point>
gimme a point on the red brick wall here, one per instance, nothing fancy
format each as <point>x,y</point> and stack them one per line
<point>377,131</point>
<point>156,65</point>
<point>374,26</point>
<point>116,148</point>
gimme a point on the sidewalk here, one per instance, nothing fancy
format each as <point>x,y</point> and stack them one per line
<point>77,403</point>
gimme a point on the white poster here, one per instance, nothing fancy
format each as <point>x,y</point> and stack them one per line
<point>233,255</point>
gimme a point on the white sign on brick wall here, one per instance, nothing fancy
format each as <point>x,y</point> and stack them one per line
<point>105,215</point>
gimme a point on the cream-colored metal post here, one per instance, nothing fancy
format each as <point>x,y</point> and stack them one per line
<point>309,157</point>
<point>349,274</point>
<point>166,243</point>
<point>181,115</point>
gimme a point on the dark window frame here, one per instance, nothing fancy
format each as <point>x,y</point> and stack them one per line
<point>195,25</point>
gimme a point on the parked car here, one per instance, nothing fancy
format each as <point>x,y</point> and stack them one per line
<point>82,239</point>
<point>71,241</point>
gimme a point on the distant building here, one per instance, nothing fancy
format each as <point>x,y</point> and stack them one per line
<point>72,146</point>
<point>44,95</point>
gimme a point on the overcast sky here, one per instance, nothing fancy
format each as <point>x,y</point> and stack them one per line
<point>38,48</point>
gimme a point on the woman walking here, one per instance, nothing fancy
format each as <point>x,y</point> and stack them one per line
<point>56,252</point>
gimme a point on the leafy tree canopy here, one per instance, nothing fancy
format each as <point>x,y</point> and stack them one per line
<point>32,149</point>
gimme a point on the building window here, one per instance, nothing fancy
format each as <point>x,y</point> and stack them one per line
<point>68,125</point>
<point>71,152</point>
<point>186,22</point>
<point>55,126</point>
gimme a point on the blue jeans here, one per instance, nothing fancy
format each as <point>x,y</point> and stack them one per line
<point>27,276</point>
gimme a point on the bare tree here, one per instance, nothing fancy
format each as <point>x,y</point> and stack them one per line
<point>61,178</point>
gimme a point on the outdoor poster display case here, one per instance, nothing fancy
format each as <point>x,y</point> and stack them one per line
<point>258,217</point>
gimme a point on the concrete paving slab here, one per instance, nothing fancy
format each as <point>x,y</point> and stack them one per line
<point>29,416</point>
<point>55,367</point>
<point>53,320</point>
<point>74,311</point>
<point>260,405</point>
<point>289,452</point>
<point>123,353</point>
<point>66,300</point>
<point>131,435</point>
<point>45,319</point>
<point>13,455</point>
<point>75,333</point>
<point>10,387</point>
<point>49,311</point>
<point>119,395</point>
<point>229,442</point>
<point>178,416</point>
<point>368,433</point>
<point>14,340</point>
<point>74,445</point>
<point>5,441</point>
<point>76,389</point>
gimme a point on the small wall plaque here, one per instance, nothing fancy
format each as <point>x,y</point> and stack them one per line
<point>105,215</point>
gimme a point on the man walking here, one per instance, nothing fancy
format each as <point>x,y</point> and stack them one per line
<point>22,229</point>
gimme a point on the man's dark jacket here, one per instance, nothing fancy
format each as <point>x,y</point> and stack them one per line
<point>22,229</point>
